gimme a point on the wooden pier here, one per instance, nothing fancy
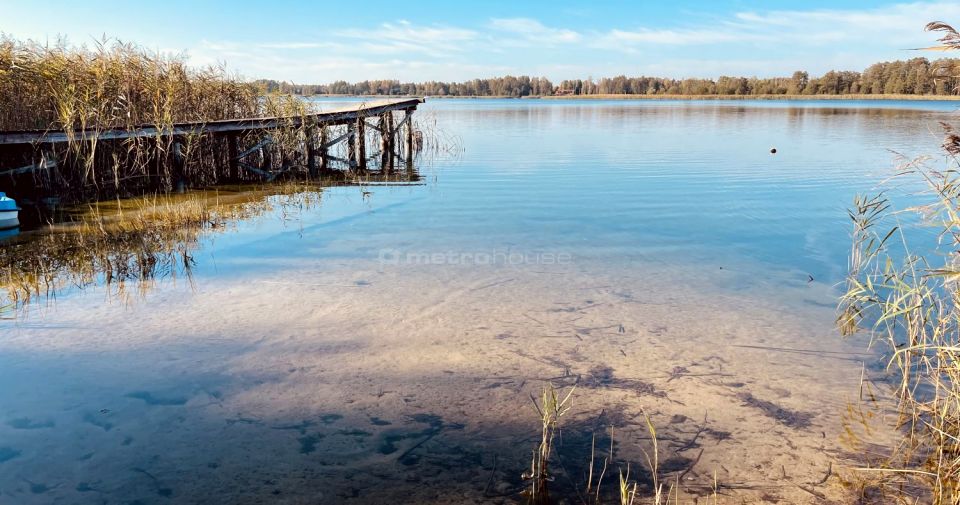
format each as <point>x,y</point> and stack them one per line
<point>368,137</point>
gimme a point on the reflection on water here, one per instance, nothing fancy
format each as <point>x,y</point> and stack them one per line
<point>138,241</point>
<point>135,241</point>
<point>380,345</point>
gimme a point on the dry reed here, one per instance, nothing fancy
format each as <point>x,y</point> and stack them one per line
<point>119,86</point>
<point>908,301</point>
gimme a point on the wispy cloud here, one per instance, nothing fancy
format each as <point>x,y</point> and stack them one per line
<point>534,31</point>
<point>297,45</point>
<point>407,31</point>
<point>351,62</point>
<point>897,24</point>
<point>877,27</point>
<point>626,38</point>
<point>404,36</point>
<point>755,42</point>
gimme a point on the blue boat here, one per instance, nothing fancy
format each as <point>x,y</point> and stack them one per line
<point>9,212</point>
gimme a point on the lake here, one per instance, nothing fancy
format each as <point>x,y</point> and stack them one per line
<point>381,345</point>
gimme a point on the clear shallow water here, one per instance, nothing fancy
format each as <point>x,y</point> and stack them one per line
<point>684,182</point>
<point>274,373</point>
<point>680,182</point>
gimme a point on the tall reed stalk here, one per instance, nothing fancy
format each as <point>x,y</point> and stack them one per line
<point>551,408</point>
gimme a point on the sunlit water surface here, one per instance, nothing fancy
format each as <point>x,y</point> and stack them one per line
<point>382,347</point>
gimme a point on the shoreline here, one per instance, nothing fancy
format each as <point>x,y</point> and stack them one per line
<point>883,97</point>
<point>759,97</point>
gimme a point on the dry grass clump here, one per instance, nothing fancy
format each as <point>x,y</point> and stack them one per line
<point>116,85</point>
<point>134,124</point>
<point>909,303</point>
<point>112,85</point>
<point>908,300</point>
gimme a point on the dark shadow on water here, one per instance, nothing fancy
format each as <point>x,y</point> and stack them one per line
<point>119,437</point>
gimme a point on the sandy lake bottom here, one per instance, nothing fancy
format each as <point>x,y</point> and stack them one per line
<point>415,382</point>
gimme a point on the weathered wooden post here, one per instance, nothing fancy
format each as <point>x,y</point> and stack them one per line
<point>323,149</point>
<point>388,133</point>
<point>352,145</point>
<point>361,144</point>
<point>382,126</point>
<point>285,161</point>
<point>311,133</point>
<point>234,155</point>
<point>408,117</point>
<point>384,143</point>
<point>179,175</point>
<point>266,158</point>
<point>154,168</point>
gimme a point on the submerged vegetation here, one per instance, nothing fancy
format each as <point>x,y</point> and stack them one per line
<point>906,293</point>
<point>636,486</point>
<point>551,408</point>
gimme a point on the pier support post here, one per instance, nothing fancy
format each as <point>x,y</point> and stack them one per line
<point>179,168</point>
<point>386,156</point>
<point>361,145</point>
<point>155,168</point>
<point>311,142</point>
<point>390,133</point>
<point>285,161</point>
<point>382,126</point>
<point>234,155</point>
<point>267,158</point>
<point>408,117</point>
<point>352,145</point>
<point>323,149</point>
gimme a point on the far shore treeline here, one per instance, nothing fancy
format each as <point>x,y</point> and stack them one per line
<point>917,76</point>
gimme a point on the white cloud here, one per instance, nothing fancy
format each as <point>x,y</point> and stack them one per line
<point>758,42</point>
<point>773,42</point>
<point>893,24</point>
<point>408,32</point>
<point>534,31</point>
<point>669,37</point>
<point>351,62</point>
<point>403,36</point>
<point>297,45</point>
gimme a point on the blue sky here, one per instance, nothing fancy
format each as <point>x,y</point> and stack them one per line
<point>309,42</point>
